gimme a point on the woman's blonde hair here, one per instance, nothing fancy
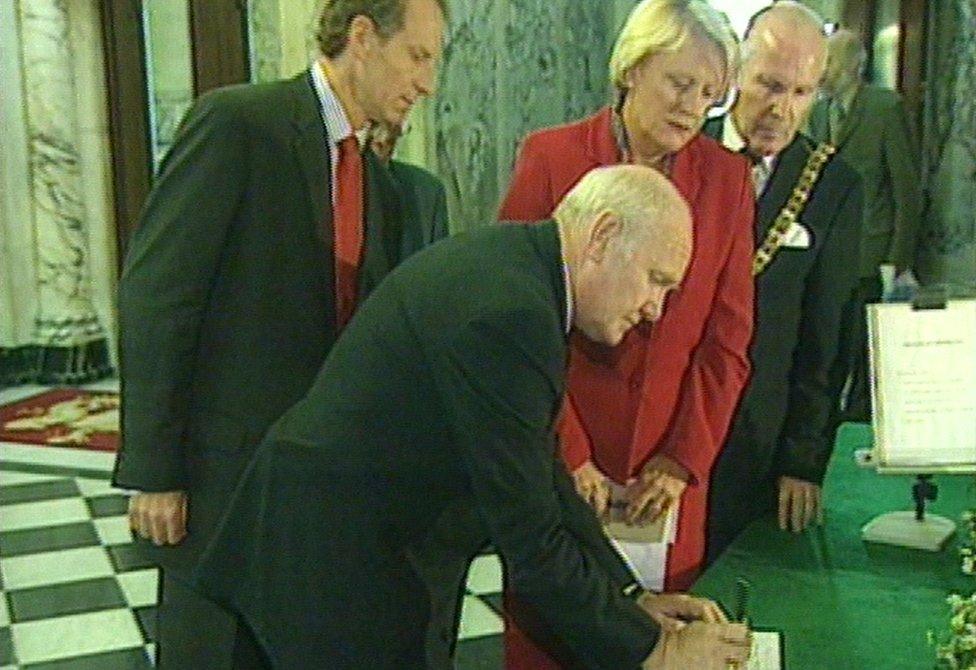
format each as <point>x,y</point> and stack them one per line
<point>664,25</point>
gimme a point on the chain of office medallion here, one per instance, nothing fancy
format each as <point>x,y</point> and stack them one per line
<point>794,206</point>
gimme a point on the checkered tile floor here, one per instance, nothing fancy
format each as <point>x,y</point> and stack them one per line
<point>75,595</point>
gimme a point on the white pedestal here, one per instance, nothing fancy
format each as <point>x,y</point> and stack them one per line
<point>902,530</point>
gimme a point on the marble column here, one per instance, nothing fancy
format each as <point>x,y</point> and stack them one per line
<point>68,336</point>
<point>169,70</point>
<point>18,302</point>
<point>264,39</point>
<point>281,37</point>
<point>948,247</point>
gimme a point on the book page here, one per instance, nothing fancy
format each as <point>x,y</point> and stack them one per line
<point>923,369</point>
<point>643,547</point>
<point>767,653</point>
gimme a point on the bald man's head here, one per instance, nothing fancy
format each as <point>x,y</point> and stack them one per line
<point>845,63</point>
<point>626,239</point>
<point>784,55</point>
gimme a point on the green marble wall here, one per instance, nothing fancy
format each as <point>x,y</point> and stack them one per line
<point>948,251</point>
<point>510,66</point>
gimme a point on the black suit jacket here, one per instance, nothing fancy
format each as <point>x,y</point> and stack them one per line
<point>441,396</point>
<point>423,199</point>
<point>226,297</point>
<point>781,424</point>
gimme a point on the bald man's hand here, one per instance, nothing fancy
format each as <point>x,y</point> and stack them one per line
<point>160,517</point>
<point>702,646</point>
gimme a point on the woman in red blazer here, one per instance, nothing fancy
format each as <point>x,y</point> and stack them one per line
<point>653,411</point>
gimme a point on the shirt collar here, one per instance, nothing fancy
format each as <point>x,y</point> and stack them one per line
<point>334,116</point>
<point>846,99</point>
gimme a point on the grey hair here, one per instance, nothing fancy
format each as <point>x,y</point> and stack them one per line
<point>847,47</point>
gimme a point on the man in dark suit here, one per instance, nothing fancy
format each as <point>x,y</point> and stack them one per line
<point>870,129</point>
<point>265,226</point>
<point>421,193</point>
<point>778,447</point>
<point>442,396</point>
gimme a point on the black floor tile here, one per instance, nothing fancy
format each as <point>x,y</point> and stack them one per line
<point>110,505</point>
<point>56,470</point>
<point>49,538</point>
<point>494,601</point>
<point>126,557</point>
<point>22,493</point>
<point>126,659</point>
<point>46,602</point>
<point>146,616</point>
<point>479,653</point>
<point>6,648</point>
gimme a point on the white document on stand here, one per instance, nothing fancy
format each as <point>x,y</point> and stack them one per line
<point>923,371</point>
<point>644,548</point>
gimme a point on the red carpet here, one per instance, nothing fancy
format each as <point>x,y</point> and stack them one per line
<point>64,418</point>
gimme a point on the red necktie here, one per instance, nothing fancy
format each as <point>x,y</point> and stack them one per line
<point>347,225</point>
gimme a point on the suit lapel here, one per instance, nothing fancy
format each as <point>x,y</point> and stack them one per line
<point>854,117</point>
<point>311,150</point>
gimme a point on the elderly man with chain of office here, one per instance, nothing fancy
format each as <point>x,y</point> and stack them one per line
<point>809,208</point>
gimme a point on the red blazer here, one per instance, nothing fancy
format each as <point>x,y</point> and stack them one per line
<point>670,387</point>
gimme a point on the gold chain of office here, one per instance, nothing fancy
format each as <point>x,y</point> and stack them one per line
<point>794,207</point>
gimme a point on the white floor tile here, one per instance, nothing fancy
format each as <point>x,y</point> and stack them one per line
<point>9,478</point>
<point>62,456</point>
<point>55,567</point>
<point>4,612</point>
<point>151,653</point>
<point>43,513</point>
<point>139,587</point>
<point>478,620</point>
<point>12,395</point>
<point>103,385</point>
<point>113,530</point>
<point>485,575</point>
<point>76,635</point>
<point>91,488</point>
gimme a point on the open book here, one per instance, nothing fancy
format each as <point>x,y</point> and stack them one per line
<point>923,372</point>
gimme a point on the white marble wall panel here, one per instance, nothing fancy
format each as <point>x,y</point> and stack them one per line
<point>65,315</point>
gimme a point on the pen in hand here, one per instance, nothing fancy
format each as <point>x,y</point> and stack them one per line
<point>742,588</point>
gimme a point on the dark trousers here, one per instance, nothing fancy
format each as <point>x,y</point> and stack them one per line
<point>741,490</point>
<point>851,367</point>
<point>194,632</point>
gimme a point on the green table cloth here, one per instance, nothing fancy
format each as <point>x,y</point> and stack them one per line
<point>844,604</point>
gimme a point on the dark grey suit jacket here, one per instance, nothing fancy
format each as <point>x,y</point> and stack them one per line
<point>876,140</point>
<point>424,200</point>
<point>226,297</point>
<point>441,395</point>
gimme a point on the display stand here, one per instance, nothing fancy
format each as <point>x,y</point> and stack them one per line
<point>923,363</point>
